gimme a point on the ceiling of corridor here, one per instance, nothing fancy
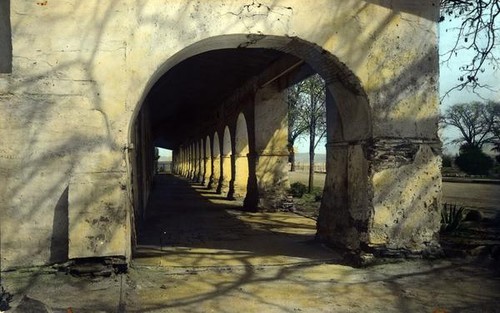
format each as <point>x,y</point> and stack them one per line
<point>183,95</point>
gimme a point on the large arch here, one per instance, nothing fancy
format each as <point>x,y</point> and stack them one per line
<point>352,210</point>
<point>339,78</point>
<point>349,127</point>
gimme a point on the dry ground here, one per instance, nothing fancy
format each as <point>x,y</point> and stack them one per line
<point>484,197</point>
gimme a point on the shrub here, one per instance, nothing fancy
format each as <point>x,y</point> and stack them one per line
<point>451,217</point>
<point>317,193</point>
<point>473,161</point>
<point>298,189</point>
<point>5,299</point>
<point>447,160</point>
<point>474,216</point>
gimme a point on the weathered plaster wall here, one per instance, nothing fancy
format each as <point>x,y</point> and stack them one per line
<point>80,70</point>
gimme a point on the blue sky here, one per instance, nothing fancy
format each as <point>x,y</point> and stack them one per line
<point>449,74</point>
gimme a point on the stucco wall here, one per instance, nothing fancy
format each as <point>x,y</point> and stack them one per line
<point>80,70</point>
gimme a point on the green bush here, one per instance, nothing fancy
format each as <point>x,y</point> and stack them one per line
<point>298,189</point>
<point>447,160</point>
<point>473,161</point>
<point>451,217</point>
<point>496,171</point>
<point>5,299</point>
<point>318,193</point>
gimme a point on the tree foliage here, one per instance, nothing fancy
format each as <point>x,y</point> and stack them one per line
<point>473,161</point>
<point>494,116</point>
<point>479,124</point>
<point>478,33</point>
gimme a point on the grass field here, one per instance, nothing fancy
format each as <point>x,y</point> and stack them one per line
<point>485,197</point>
<point>303,177</point>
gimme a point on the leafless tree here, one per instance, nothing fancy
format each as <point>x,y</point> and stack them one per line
<point>493,116</point>
<point>476,122</point>
<point>296,125</point>
<point>478,32</point>
<point>309,115</point>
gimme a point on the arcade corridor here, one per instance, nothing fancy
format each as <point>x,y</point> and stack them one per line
<point>189,225</point>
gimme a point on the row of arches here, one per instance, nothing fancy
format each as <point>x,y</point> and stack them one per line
<point>219,162</point>
<point>365,152</point>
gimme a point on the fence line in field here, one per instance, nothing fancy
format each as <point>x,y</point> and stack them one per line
<point>302,166</point>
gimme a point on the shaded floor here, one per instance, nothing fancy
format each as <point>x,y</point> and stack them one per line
<point>188,225</point>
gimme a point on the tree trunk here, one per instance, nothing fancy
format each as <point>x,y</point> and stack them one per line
<point>312,138</point>
<point>291,158</point>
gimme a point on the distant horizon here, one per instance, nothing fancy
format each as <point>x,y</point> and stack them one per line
<point>303,157</point>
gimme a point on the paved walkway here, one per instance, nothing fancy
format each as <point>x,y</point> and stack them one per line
<point>202,254</point>
<point>188,225</point>
<point>199,253</point>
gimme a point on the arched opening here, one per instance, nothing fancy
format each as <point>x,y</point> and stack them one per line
<point>208,85</point>
<point>306,102</point>
<point>200,161</point>
<point>208,163</point>
<point>216,153</point>
<point>241,157</point>
<point>164,161</point>
<point>226,168</point>
<point>192,156</point>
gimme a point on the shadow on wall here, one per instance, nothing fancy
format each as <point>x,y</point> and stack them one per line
<point>409,6</point>
<point>5,38</point>
<point>68,125</point>
<point>40,166</point>
<point>59,242</point>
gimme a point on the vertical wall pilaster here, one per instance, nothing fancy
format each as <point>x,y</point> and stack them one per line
<point>201,163</point>
<point>207,161</point>
<point>216,160</point>
<point>271,139</point>
<point>241,177</point>
<point>225,176</point>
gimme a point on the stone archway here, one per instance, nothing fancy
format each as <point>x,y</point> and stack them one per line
<point>156,83</point>
<point>348,119</point>
<point>353,214</point>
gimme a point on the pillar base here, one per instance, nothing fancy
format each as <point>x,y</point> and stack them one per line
<point>383,255</point>
<point>230,193</point>
<point>210,182</point>
<point>382,200</point>
<point>272,180</point>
